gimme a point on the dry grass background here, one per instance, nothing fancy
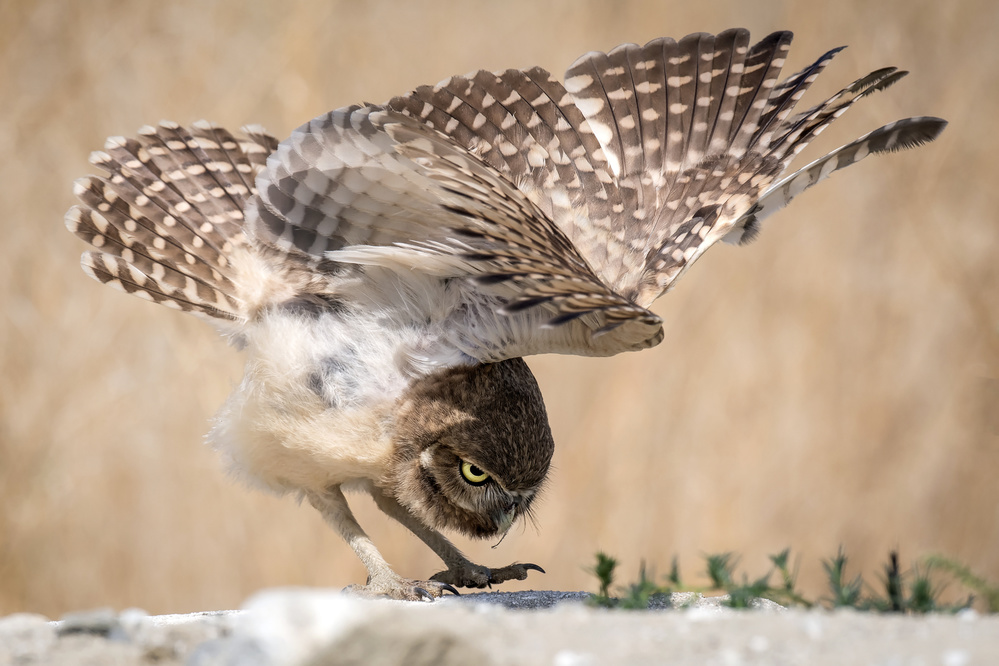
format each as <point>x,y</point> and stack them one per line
<point>834,383</point>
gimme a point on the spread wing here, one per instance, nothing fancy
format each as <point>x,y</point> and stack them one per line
<point>366,186</point>
<point>167,218</point>
<point>650,154</point>
<point>564,209</point>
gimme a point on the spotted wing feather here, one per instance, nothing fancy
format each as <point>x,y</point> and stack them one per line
<point>634,140</point>
<point>167,217</point>
<point>508,241</point>
<point>654,152</point>
<point>895,136</point>
<point>562,172</point>
<point>568,207</point>
<point>371,186</point>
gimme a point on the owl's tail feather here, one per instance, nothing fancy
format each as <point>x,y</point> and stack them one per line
<point>169,215</point>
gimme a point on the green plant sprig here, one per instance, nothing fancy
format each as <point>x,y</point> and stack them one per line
<point>901,592</point>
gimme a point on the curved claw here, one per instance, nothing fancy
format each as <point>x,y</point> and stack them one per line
<point>424,595</point>
<point>533,567</point>
<point>451,589</point>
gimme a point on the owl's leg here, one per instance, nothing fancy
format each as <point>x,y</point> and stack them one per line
<point>382,580</point>
<point>460,571</point>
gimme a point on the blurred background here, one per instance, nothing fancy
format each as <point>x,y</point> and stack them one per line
<point>834,383</point>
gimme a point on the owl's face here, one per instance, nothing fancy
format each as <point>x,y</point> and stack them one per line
<point>473,448</point>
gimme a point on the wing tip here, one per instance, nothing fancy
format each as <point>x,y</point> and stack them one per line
<point>910,133</point>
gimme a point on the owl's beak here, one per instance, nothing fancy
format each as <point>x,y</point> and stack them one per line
<point>505,517</point>
<point>504,522</point>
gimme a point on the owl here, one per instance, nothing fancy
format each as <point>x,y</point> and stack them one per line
<point>387,267</point>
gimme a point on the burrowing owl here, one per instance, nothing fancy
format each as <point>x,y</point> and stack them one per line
<point>387,266</point>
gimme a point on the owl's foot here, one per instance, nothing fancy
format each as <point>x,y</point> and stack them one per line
<point>403,589</point>
<point>474,575</point>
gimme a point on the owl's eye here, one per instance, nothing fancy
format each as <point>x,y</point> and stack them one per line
<point>473,474</point>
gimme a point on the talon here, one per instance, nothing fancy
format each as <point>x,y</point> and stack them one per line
<point>533,567</point>
<point>451,589</point>
<point>423,594</point>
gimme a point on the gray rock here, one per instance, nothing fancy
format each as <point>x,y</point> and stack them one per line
<point>24,635</point>
<point>303,627</point>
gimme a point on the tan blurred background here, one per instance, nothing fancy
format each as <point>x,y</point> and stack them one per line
<point>833,383</point>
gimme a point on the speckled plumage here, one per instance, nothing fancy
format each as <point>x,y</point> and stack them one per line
<point>386,266</point>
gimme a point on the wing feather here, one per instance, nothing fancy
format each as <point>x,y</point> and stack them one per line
<point>574,205</point>
<point>447,213</point>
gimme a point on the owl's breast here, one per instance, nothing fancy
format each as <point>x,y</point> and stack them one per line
<point>317,403</point>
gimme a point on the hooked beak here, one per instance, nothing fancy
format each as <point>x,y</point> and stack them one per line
<point>505,517</point>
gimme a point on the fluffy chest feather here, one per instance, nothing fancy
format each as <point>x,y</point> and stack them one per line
<point>316,406</point>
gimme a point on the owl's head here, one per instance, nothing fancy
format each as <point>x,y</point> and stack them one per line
<point>473,447</point>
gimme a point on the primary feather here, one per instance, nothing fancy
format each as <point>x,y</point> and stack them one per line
<point>564,210</point>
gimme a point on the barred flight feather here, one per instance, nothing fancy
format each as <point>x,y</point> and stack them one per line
<point>656,135</point>
<point>585,200</point>
<point>169,214</point>
<point>893,137</point>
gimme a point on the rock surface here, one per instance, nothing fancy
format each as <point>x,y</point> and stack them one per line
<point>321,627</point>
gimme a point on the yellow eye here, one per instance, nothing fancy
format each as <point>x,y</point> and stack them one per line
<point>473,474</point>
